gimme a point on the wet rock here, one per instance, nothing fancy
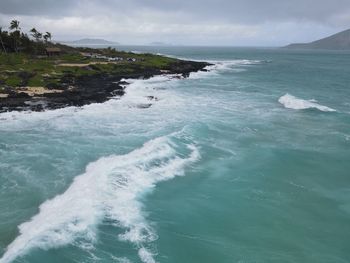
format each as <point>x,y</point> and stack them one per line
<point>18,95</point>
<point>144,106</point>
<point>152,98</point>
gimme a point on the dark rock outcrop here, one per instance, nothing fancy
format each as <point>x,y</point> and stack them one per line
<point>87,89</point>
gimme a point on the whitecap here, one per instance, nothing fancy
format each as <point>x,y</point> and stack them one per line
<point>146,256</point>
<point>291,102</point>
<point>236,65</point>
<point>111,188</point>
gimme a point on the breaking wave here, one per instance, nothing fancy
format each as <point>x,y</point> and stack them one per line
<point>291,102</point>
<point>111,188</point>
<point>236,65</point>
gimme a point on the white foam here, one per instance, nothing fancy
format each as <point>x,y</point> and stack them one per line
<point>118,111</point>
<point>226,64</point>
<point>138,89</point>
<point>291,102</point>
<point>111,189</point>
<point>137,94</point>
<point>146,256</point>
<point>236,65</point>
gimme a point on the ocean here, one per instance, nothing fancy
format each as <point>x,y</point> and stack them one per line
<point>248,162</point>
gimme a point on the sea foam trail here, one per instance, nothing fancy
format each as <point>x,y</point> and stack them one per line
<point>291,102</point>
<point>111,189</point>
<point>217,67</point>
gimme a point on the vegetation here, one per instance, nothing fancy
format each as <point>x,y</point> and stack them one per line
<point>52,75</point>
<point>15,41</point>
<point>20,69</point>
<point>24,62</point>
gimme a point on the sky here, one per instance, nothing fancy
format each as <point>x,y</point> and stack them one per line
<point>182,22</point>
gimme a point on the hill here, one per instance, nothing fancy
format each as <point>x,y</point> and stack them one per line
<point>339,41</point>
<point>89,41</point>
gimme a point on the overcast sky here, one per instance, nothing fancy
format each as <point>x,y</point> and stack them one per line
<point>184,22</point>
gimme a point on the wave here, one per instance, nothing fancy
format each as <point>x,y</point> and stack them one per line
<point>110,189</point>
<point>137,95</point>
<point>291,102</point>
<point>139,92</point>
<point>237,65</point>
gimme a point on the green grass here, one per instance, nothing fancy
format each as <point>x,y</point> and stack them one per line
<point>36,81</point>
<point>18,69</point>
<point>13,81</point>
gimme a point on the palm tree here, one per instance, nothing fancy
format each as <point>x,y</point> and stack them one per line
<point>14,25</point>
<point>39,36</point>
<point>36,34</point>
<point>33,31</point>
<point>2,43</point>
<point>47,36</point>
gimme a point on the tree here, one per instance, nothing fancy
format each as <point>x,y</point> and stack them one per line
<point>14,25</point>
<point>47,37</point>
<point>33,32</point>
<point>36,34</point>
<point>2,43</point>
<point>39,37</point>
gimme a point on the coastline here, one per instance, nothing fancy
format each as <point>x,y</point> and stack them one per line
<point>86,89</point>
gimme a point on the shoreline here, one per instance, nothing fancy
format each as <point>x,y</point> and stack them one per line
<point>84,90</point>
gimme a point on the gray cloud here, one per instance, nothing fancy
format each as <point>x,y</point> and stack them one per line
<point>253,11</point>
<point>205,21</point>
<point>37,7</point>
<point>247,11</point>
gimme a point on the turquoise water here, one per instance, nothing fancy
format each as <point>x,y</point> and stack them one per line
<point>249,162</point>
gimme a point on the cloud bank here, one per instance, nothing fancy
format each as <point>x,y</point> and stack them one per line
<point>205,22</point>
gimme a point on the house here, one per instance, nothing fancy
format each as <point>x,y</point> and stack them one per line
<point>115,59</point>
<point>53,51</point>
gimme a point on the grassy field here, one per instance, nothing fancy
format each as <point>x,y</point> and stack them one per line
<point>23,70</point>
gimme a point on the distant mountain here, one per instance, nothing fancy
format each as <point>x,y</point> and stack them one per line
<point>90,41</point>
<point>339,41</point>
<point>159,44</point>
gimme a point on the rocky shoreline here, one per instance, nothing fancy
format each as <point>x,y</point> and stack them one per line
<point>82,90</point>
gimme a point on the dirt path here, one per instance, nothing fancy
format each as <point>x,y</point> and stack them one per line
<point>86,64</point>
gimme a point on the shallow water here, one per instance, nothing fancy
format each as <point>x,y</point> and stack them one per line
<point>246,163</point>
